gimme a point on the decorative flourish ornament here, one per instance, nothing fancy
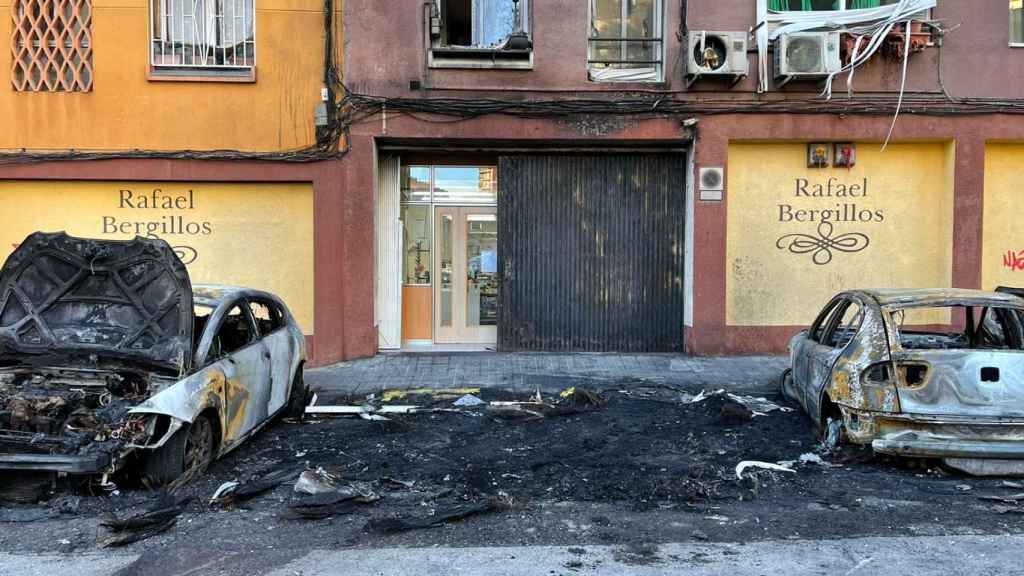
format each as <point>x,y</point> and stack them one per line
<point>820,247</point>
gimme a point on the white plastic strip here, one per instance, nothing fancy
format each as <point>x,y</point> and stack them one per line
<point>875,23</point>
<point>903,81</point>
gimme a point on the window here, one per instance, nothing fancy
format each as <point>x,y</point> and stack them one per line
<point>625,41</point>
<point>267,316</point>
<point>416,244</point>
<point>450,184</point>
<point>235,332</point>
<point>809,5</point>
<point>416,184</point>
<point>481,33</point>
<point>957,327</point>
<point>846,326</point>
<point>426,186</point>
<point>1017,22</point>
<point>823,321</point>
<point>191,37</point>
<point>465,185</point>
<point>51,45</point>
<point>202,317</point>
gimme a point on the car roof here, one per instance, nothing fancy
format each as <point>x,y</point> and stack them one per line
<point>212,295</point>
<point>896,297</point>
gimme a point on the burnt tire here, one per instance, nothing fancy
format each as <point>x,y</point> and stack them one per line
<point>187,453</point>
<point>298,399</point>
<point>786,386</point>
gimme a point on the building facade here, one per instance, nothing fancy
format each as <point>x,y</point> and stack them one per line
<point>598,175</point>
<point>196,122</point>
<point>666,175</point>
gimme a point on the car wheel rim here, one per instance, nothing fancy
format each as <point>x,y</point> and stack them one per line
<point>199,447</point>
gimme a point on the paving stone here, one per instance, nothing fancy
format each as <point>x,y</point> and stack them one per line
<point>549,370</point>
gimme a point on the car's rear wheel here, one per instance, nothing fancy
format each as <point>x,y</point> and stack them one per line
<point>786,385</point>
<point>831,424</point>
<point>187,453</point>
<point>299,397</point>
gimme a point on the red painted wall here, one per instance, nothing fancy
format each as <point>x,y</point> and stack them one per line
<point>385,50</point>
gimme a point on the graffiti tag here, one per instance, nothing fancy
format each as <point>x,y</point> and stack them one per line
<point>1014,260</point>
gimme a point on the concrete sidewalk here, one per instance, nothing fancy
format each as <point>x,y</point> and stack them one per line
<point>993,555</point>
<point>549,371</point>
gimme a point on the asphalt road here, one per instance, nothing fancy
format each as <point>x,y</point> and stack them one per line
<point>922,556</point>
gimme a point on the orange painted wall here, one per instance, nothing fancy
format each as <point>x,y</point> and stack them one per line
<point>416,320</point>
<point>125,110</point>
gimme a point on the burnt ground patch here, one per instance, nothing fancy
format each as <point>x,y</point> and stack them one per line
<point>643,469</point>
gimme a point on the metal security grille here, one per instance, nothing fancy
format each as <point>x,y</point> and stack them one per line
<point>51,45</point>
<point>203,34</point>
<point>591,252</point>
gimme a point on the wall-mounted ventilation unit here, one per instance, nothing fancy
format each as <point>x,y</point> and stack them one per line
<point>712,183</point>
<point>719,54</point>
<point>806,56</point>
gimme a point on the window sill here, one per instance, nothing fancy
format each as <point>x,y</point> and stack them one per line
<point>624,77</point>
<point>1016,44</point>
<point>244,76</point>
<point>480,59</point>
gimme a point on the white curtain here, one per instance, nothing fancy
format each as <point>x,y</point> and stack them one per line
<point>207,24</point>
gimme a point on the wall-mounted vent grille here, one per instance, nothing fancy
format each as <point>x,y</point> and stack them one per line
<point>711,179</point>
<point>51,45</point>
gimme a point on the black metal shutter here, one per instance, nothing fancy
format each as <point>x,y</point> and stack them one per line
<point>590,251</point>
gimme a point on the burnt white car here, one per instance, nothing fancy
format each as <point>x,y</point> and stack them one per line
<point>110,360</point>
<point>917,373</point>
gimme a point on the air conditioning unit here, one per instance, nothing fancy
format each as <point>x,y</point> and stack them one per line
<point>722,54</point>
<point>806,55</point>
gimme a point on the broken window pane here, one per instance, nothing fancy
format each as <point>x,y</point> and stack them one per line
<point>957,327</point>
<point>480,23</point>
<point>235,332</point>
<point>266,319</point>
<point>847,327</point>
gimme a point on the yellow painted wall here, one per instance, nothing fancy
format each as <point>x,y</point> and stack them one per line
<point>254,235</point>
<point>125,110</point>
<point>1003,236</point>
<point>906,219</point>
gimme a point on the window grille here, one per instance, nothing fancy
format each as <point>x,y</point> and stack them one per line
<point>51,45</point>
<point>203,34</point>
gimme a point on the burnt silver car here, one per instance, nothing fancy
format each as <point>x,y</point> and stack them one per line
<point>110,359</point>
<point>917,373</point>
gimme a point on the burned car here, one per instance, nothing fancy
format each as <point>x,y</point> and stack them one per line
<point>917,373</point>
<point>110,361</point>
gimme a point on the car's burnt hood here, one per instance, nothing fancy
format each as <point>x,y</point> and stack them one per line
<point>127,299</point>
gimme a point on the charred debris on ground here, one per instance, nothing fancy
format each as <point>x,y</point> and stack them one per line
<point>451,455</point>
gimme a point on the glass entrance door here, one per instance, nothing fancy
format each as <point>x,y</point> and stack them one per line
<point>466,290</point>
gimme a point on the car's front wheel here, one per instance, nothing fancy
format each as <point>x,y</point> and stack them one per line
<point>186,454</point>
